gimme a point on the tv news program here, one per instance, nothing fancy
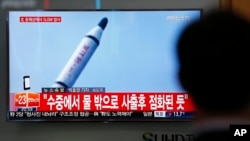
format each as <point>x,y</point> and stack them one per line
<point>165,128</point>
<point>97,65</point>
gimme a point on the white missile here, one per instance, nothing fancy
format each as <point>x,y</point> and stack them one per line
<point>81,56</point>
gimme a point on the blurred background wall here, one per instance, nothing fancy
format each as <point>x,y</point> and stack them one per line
<point>83,131</point>
<point>239,6</point>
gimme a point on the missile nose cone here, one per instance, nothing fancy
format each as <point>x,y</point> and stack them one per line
<point>103,23</point>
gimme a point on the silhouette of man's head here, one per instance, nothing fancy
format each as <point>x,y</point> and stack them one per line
<point>214,61</point>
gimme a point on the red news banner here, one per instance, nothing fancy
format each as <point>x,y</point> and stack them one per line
<point>105,101</point>
<point>50,19</point>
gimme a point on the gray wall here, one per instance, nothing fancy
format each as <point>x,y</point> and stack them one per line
<point>83,131</point>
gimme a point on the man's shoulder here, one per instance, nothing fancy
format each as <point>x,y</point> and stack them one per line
<point>222,135</point>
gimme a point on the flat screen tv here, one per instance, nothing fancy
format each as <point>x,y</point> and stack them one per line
<point>96,65</point>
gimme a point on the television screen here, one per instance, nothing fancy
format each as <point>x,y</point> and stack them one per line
<point>96,65</point>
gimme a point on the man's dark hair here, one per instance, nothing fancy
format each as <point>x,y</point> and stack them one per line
<point>214,61</point>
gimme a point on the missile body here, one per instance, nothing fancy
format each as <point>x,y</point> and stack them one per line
<point>81,56</point>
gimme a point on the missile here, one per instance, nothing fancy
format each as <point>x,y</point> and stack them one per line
<point>81,56</point>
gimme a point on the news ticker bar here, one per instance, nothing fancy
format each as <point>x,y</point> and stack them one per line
<point>29,115</point>
<point>73,89</point>
<point>103,101</point>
